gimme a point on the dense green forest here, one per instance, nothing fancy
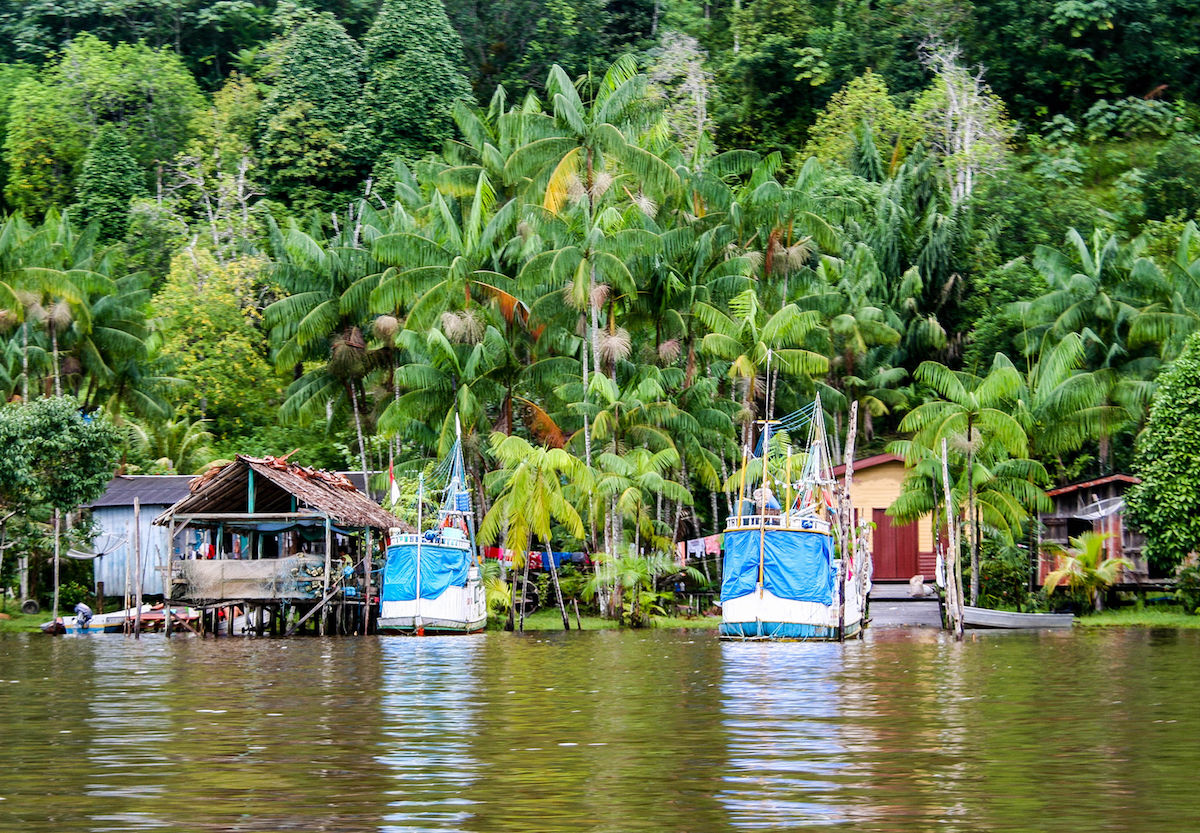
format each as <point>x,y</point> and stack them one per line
<point>628,228</point>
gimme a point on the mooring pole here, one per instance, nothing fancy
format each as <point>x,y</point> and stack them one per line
<point>137,565</point>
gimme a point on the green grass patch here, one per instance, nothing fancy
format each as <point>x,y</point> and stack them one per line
<point>1166,616</point>
<point>20,623</point>
<point>703,623</point>
<point>549,619</point>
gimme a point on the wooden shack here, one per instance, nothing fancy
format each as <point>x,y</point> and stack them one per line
<point>283,544</point>
<point>114,518</point>
<point>899,551</point>
<point>1092,506</point>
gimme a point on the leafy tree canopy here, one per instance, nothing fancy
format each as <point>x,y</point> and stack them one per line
<point>1166,504</point>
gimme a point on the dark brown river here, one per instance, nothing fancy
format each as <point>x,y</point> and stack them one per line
<point>602,731</point>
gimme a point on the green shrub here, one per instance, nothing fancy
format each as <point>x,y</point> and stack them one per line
<point>1187,587</point>
<point>71,594</point>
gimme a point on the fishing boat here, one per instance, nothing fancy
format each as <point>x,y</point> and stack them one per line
<point>432,583</point>
<point>782,578</point>
<point>119,621</point>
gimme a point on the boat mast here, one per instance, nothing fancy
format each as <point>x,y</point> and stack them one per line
<point>762,511</point>
<point>420,500</point>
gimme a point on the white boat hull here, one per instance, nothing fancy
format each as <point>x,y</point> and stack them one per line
<point>456,610</point>
<point>762,615</point>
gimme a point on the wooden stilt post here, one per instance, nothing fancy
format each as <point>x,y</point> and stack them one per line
<point>846,522</point>
<point>320,624</point>
<point>137,565</point>
<point>368,564</point>
<point>170,561</point>
<point>557,589</point>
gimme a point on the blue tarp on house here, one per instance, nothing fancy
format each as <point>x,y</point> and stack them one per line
<point>797,565</point>
<point>441,567</point>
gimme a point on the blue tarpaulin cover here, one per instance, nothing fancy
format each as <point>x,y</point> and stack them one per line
<point>796,565</point>
<point>441,567</point>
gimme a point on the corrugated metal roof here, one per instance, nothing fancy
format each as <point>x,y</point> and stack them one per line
<point>151,489</point>
<point>1100,481</point>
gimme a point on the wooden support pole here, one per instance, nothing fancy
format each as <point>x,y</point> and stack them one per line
<point>137,565</point>
<point>167,585</point>
<point>557,589</point>
<point>368,564</point>
<point>846,521</point>
<point>326,579</point>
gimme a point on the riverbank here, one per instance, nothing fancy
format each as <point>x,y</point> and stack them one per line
<point>18,622</point>
<point>551,620</point>
<point>1166,616</point>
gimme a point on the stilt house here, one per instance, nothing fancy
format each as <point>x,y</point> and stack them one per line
<point>271,536</point>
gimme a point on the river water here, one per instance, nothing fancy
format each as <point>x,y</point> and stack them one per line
<point>602,731</point>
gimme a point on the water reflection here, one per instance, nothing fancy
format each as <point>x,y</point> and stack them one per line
<point>430,713</point>
<point>650,731</point>
<point>787,762</point>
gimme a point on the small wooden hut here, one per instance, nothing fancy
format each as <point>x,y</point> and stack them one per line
<point>282,544</point>
<point>1093,506</point>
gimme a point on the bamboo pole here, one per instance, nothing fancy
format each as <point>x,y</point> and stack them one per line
<point>762,513</point>
<point>418,625</point>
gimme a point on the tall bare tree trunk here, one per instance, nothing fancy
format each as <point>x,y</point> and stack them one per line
<point>971,516</point>
<point>362,445</point>
<point>54,349</point>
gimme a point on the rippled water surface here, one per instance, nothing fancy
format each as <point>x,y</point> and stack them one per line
<point>603,731</point>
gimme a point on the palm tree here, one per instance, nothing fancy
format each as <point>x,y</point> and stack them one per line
<point>438,270</point>
<point>530,501</point>
<point>179,445</point>
<point>967,412</point>
<point>326,317</point>
<point>754,342</point>
<point>1086,568</point>
<point>1060,405</point>
<point>575,157</point>
<point>1089,291</point>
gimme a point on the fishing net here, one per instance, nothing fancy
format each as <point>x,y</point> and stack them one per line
<point>296,577</point>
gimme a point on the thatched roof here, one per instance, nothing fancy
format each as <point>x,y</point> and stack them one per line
<point>276,483</point>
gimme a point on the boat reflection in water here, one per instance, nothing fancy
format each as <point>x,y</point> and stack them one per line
<point>429,705</point>
<point>787,763</point>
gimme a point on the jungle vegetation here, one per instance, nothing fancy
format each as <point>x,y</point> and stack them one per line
<point>622,229</point>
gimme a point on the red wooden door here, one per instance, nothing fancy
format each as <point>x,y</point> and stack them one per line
<point>895,549</point>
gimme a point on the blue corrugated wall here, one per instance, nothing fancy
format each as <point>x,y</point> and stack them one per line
<point>115,523</point>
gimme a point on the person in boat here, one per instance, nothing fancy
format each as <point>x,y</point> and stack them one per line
<point>767,500</point>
